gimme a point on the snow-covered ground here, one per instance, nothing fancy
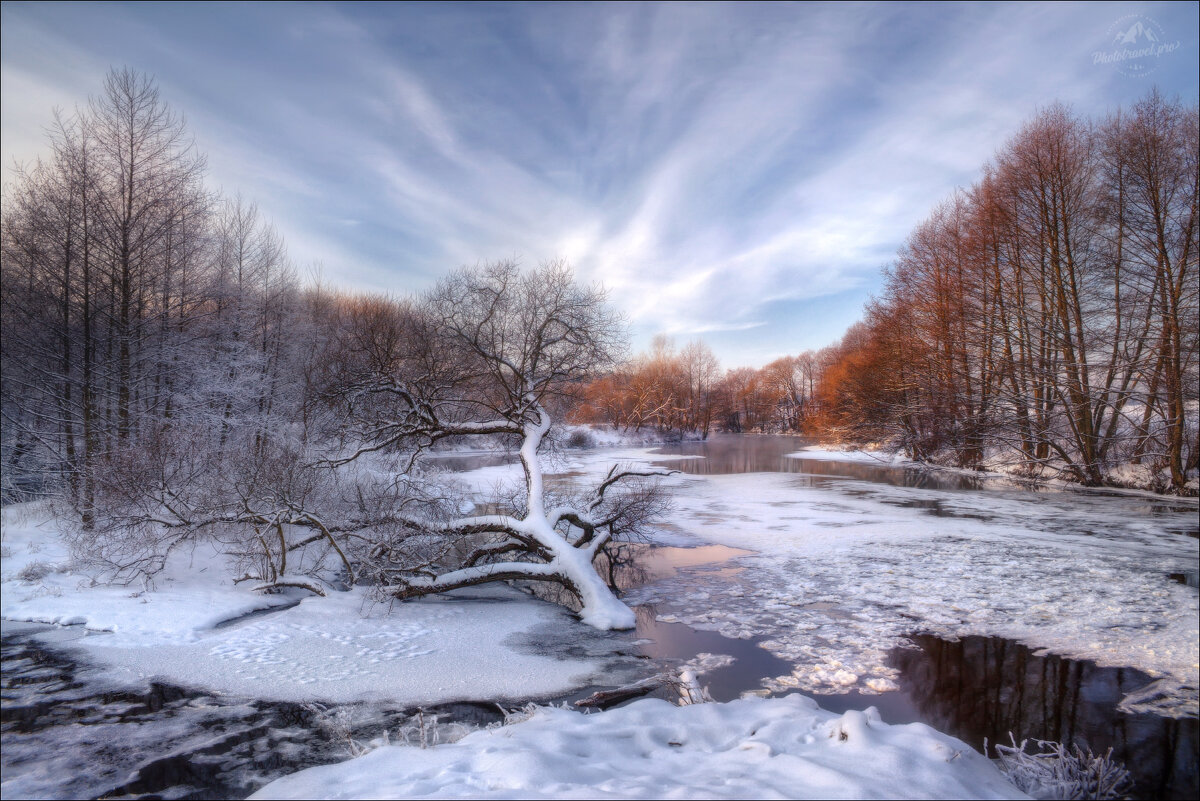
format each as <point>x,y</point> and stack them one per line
<point>842,570</point>
<point>1001,463</point>
<point>341,648</point>
<point>752,748</point>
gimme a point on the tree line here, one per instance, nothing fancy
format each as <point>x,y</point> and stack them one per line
<point>167,376</point>
<point>1044,318</point>
<point>134,297</point>
<point>686,393</point>
<point>1047,315</point>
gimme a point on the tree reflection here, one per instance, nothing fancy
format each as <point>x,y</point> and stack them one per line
<point>739,453</point>
<point>986,687</point>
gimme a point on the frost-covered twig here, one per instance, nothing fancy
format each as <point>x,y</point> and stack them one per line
<point>690,691</point>
<point>1057,772</point>
<point>339,726</point>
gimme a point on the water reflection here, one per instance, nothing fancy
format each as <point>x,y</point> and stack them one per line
<point>982,687</point>
<point>675,642</point>
<point>748,453</point>
<point>632,565</point>
<point>470,460</point>
<point>629,565</point>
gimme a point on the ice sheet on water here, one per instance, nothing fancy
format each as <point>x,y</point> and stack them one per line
<point>341,648</point>
<point>836,455</point>
<point>846,570</point>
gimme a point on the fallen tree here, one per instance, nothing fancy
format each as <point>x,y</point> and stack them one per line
<point>347,499</point>
<point>495,347</point>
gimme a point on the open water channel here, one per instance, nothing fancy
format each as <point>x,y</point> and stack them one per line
<point>68,731</point>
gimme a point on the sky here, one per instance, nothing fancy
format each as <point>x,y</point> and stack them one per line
<point>739,173</point>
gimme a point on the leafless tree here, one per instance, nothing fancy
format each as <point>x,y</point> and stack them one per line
<point>1047,316</point>
<point>103,251</point>
<point>494,346</point>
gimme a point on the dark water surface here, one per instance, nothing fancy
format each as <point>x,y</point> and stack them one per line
<point>750,453</point>
<point>980,689</point>
<point>985,687</point>
<point>69,732</point>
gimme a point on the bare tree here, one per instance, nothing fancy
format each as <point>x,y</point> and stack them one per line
<point>703,372</point>
<point>102,250</point>
<point>1048,315</point>
<point>495,345</point>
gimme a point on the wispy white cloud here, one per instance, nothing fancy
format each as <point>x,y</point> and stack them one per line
<point>727,170</point>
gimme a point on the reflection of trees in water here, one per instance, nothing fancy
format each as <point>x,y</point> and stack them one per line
<point>748,453</point>
<point>986,687</point>
<point>616,563</point>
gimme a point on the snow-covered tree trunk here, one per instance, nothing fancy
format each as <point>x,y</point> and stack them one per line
<point>500,342</point>
<point>567,563</point>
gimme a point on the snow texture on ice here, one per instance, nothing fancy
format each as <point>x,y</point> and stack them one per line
<point>844,571</point>
<point>846,568</point>
<point>341,648</point>
<point>834,455</point>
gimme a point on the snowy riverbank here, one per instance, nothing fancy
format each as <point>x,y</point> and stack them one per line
<point>1123,476</point>
<point>753,748</point>
<point>192,629</point>
<point>843,567</point>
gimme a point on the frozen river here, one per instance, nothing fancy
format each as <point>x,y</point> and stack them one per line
<point>972,604</point>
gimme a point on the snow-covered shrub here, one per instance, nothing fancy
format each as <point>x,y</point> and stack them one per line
<point>421,730</point>
<point>580,438</point>
<point>514,716</point>
<point>35,571</point>
<point>1059,772</point>
<point>338,725</point>
<point>265,502</point>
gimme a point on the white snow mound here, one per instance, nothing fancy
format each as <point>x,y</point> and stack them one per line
<point>753,748</point>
